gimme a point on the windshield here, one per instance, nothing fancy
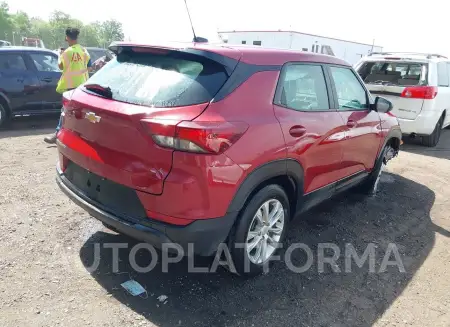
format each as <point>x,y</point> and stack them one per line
<point>170,80</point>
<point>393,73</point>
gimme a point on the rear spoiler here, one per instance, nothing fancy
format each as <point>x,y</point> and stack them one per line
<point>229,63</point>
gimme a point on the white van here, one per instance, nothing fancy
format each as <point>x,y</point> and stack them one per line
<point>417,85</point>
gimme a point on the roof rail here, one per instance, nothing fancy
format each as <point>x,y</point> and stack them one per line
<point>428,55</point>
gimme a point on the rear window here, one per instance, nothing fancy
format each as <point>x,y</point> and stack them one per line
<point>161,80</point>
<point>393,73</point>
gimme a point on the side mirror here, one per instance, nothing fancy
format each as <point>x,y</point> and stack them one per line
<point>382,105</point>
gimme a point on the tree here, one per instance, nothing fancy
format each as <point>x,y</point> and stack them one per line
<point>90,35</point>
<point>21,22</point>
<point>42,29</point>
<point>52,32</point>
<point>111,30</point>
<point>6,24</point>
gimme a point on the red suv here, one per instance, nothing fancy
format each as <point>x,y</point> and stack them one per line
<point>208,144</point>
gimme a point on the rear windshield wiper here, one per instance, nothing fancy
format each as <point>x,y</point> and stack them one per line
<point>99,89</point>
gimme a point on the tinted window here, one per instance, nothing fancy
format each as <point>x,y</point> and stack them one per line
<point>442,74</point>
<point>303,88</point>
<point>12,61</point>
<point>256,42</point>
<point>351,94</point>
<point>168,80</point>
<point>45,62</point>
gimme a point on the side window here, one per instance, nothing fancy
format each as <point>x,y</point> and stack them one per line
<point>442,74</point>
<point>351,94</point>
<point>303,88</point>
<point>12,61</point>
<point>45,62</point>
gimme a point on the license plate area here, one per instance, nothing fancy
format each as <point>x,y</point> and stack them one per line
<point>117,199</point>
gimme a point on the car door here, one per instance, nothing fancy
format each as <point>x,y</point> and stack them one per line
<point>19,83</point>
<point>313,131</point>
<point>362,125</point>
<point>48,72</point>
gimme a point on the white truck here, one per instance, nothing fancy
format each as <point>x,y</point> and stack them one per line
<point>346,50</point>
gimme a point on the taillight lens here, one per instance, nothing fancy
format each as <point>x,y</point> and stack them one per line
<point>192,136</point>
<point>420,92</point>
<point>66,98</point>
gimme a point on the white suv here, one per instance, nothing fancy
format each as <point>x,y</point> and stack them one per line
<point>417,85</point>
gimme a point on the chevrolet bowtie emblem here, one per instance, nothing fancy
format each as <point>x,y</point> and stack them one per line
<point>92,117</point>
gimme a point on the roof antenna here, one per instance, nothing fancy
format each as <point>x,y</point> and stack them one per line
<point>196,39</point>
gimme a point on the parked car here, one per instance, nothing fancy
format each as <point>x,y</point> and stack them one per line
<point>28,79</point>
<point>5,43</point>
<point>207,144</point>
<point>96,53</point>
<point>100,62</point>
<point>417,85</point>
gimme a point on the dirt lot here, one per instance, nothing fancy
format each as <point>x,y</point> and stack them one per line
<point>47,243</point>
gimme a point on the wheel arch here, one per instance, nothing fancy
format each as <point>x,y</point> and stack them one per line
<point>288,173</point>
<point>393,138</point>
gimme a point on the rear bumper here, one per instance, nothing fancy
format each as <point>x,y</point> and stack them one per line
<point>424,123</point>
<point>205,235</point>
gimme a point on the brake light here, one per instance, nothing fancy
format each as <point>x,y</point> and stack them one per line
<point>420,92</point>
<point>192,136</point>
<point>158,51</point>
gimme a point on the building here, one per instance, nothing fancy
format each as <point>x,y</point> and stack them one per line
<point>347,50</point>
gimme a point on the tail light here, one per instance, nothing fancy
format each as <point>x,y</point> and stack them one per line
<point>66,98</point>
<point>420,92</point>
<point>192,136</point>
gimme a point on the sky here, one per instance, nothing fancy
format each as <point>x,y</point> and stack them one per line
<point>396,25</point>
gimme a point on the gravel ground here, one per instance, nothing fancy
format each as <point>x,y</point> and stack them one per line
<point>47,244</point>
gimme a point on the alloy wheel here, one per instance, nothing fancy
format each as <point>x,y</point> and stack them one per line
<point>265,231</point>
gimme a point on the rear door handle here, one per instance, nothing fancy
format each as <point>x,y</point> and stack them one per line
<point>46,79</point>
<point>351,123</point>
<point>297,131</point>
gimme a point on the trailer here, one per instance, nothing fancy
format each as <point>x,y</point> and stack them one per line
<point>350,51</point>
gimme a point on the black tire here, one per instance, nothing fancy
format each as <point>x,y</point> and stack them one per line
<point>241,261</point>
<point>433,139</point>
<point>370,184</point>
<point>4,116</point>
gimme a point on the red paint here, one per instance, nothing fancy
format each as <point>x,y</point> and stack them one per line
<point>364,134</point>
<point>178,187</point>
<point>319,149</point>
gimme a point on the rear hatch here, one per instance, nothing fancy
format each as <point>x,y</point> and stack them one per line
<point>109,122</point>
<point>404,83</point>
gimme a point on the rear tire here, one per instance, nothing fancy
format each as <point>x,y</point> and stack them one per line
<point>4,116</point>
<point>260,231</point>
<point>433,139</point>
